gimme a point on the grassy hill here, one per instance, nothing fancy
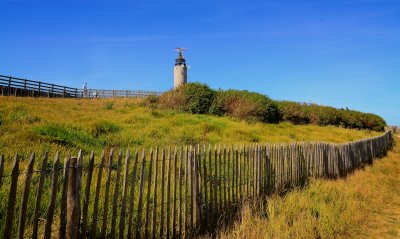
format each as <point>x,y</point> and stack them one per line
<point>40,124</point>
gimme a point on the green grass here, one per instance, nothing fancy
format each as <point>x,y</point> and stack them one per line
<point>38,125</point>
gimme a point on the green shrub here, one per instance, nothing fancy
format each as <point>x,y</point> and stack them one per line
<point>245,105</point>
<point>293,112</point>
<point>302,113</point>
<point>172,99</point>
<point>197,98</point>
<point>250,106</point>
<point>193,98</point>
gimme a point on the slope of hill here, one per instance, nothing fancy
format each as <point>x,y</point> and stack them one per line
<point>39,124</point>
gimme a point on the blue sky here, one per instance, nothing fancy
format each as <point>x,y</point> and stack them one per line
<point>343,53</point>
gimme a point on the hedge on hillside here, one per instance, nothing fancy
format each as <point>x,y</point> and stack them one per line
<point>245,105</point>
<point>200,99</point>
<point>193,98</point>
<point>301,113</point>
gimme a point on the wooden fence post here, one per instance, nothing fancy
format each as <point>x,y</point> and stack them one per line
<point>96,198</point>
<point>1,169</point>
<point>180,186</point>
<point>39,197</point>
<point>153,225</point>
<point>140,200</point>
<point>196,207</point>
<point>168,193</point>
<point>131,196</point>
<point>174,209</point>
<point>162,193</point>
<point>11,198</point>
<point>108,182</point>
<point>25,196</point>
<point>87,195</point>
<point>73,220</point>
<point>53,194</point>
<point>210,208</point>
<point>186,204</point>
<point>224,178</point>
<point>115,196</point>
<point>124,196</point>
<point>147,217</point>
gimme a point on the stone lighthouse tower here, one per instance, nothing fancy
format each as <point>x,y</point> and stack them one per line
<point>180,69</point>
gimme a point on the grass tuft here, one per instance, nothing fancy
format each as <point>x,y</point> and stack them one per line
<point>66,135</point>
<point>103,127</point>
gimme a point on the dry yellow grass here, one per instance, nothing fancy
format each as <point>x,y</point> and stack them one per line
<point>366,204</point>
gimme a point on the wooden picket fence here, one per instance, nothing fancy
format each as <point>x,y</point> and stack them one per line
<point>176,192</point>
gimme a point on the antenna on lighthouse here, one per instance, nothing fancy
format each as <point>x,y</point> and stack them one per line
<point>180,49</point>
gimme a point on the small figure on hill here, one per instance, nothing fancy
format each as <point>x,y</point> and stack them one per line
<point>85,89</point>
<point>95,94</point>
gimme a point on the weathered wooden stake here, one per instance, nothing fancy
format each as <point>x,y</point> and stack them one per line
<point>25,196</point>
<point>39,197</point>
<point>72,229</point>
<point>53,195</point>
<point>87,195</point>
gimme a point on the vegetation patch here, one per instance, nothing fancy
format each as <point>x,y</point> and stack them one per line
<point>66,135</point>
<point>198,98</point>
<point>208,127</point>
<point>137,119</point>
<point>20,114</point>
<point>108,106</point>
<point>61,131</point>
<point>246,136</point>
<point>151,101</point>
<point>188,138</point>
<point>302,113</point>
<point>1,117</point>
<point>156,114</point>
<point>245,105</point>
<point>103,127</point>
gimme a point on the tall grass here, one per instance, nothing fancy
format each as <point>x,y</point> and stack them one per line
<point>364,205</point>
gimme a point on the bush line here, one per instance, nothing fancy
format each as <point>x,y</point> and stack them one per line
<point>197,98</point>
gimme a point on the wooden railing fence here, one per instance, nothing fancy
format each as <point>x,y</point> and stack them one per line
<point>22,87</point>
<point>161,193</point>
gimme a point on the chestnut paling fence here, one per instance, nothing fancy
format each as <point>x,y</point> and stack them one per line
<point>175,192</point>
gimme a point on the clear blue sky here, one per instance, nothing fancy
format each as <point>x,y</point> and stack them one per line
<point>343,53</point>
